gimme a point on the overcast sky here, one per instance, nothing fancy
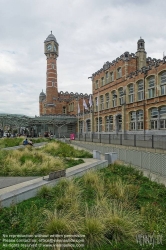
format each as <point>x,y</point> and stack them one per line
<point>89,33</point>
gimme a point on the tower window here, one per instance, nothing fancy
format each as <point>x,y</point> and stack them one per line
<point>64,110</point>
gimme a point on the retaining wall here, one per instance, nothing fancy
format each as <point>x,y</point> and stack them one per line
<point>30,191</point>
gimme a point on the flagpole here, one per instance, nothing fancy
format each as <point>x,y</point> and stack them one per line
<point>78,119</point>
<point>83,117</point>
<point>98,114</point>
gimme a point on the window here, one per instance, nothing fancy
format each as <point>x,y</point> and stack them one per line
<point>102,81</point>
<point>96,84</point>
<point>107,100</point>
<point>139,115</point>
<point>88,125</point>
<point>107,77</point>
<point>151,87</point>
<point>100,124</point>
<point>163,117</point>
<point>114,99</point>
<point>96,104</point>
<point>131,93</point>
<point>71,106</point>
<point>96,124</point>
<point>109,123</point>
<point>119,120</point>
<point>70,128</point>
<point>119,73</point>
<point>53,84</point>
<point>53,66</point>
<point>140,90</point>
<point>153,118</point>
<point>111,76</point>
<point>81,126</point>
<point>64,110</point>
<point>163,83</point>
<point>101,102</point>
<point>133,120</point>
<point>120,96</point>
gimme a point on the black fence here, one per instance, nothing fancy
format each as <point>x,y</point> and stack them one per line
<point>135,140</point>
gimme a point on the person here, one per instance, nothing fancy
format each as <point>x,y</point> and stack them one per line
<point>25,142</point>
<point>30,142</point>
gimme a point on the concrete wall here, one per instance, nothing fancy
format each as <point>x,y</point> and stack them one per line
<point>30,191</point>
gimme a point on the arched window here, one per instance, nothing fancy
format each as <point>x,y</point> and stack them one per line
<point>88,125</point>
<point>133,120</point>
<point>154,114</point>
<point>151,87</point>
<point>140,90</point>
<point>107,97</point>
<point>163,83</point>
<point>131,93</point>
<point>109,123</point>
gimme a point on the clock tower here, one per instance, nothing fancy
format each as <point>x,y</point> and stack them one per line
<point>51,50</point>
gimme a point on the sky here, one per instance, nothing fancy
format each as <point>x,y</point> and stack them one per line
<point>89,33</point>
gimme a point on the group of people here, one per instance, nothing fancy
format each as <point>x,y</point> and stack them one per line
<point>27,142</point>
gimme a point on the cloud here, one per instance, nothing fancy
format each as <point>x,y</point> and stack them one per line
<point>89,33</point>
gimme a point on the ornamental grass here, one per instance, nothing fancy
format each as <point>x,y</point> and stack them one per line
<point>28,162</point>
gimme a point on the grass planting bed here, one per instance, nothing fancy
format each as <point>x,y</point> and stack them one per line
<point>115,208</point>
<point>31,161</point>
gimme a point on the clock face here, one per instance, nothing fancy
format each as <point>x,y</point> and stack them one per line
<point>49,47</point>
<point>54,48</point>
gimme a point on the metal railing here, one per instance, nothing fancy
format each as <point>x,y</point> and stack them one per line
<point>135,140</point>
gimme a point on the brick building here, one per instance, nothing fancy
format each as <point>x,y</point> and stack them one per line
<point>129,94</point>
